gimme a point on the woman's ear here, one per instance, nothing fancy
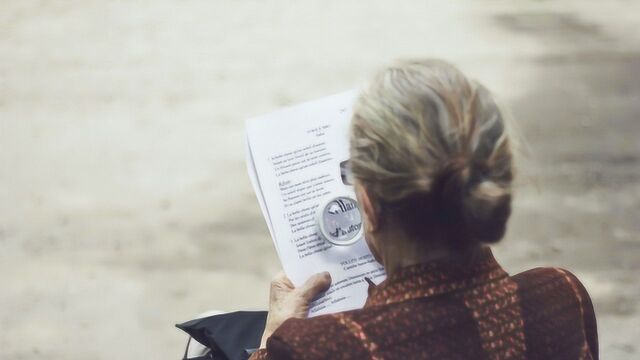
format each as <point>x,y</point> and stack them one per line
<point>367,206</point>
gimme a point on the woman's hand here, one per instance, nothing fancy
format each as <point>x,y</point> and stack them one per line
<point>287,301</point>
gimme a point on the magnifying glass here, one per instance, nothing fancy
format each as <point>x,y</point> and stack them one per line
<point>339,220</point>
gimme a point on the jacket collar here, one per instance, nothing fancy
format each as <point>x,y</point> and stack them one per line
<point>437,277</point>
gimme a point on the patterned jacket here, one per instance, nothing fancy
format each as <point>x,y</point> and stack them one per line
<point>452,310</point>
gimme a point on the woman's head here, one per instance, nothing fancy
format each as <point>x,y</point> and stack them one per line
<point>431,151</point>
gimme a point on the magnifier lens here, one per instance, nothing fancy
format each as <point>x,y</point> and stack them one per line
<point>340,221</point>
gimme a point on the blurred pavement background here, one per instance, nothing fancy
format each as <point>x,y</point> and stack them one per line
<point>124,201</point>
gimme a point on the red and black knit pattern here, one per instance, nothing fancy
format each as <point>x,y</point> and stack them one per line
<point>452,309</point>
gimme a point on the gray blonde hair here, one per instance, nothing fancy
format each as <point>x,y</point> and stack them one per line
<point>426,137</point>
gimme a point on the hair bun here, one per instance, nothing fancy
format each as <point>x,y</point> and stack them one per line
<point>480,207</point>
<point>486,209</point>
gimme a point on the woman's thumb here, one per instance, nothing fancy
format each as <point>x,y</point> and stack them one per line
<point>315,285</point>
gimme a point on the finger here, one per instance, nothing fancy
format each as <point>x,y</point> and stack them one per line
<point>281,279</point>
<point>315,285</point>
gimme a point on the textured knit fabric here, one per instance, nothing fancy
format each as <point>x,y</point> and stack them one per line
<point>452,309</point>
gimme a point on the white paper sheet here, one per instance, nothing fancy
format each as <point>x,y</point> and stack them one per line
<point>293,158</point>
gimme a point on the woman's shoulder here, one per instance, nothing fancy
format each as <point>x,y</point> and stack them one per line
<point>543,280</point>
<point>545,285</point>
<point>549,293</point>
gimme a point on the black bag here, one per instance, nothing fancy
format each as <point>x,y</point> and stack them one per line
<point>231,336</point>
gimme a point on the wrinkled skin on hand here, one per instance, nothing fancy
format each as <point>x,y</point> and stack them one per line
<point>286,301</point>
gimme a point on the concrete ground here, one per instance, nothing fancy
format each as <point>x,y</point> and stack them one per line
<point>124,201</point>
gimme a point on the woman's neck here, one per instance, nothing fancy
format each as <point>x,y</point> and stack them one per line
<point>402,251</point>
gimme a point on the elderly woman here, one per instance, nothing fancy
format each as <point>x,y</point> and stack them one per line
<point>433,168</point>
